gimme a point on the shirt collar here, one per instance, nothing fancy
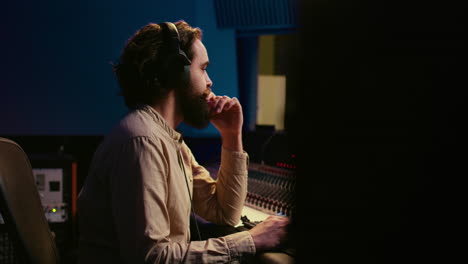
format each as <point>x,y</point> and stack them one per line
<point>176,136</point>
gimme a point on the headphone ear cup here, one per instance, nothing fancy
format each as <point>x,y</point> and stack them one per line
<point>183,57</point>
<point>177,72</point>
<point>186,76</point>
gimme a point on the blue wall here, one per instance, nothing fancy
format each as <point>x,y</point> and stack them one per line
<point>56,77</point>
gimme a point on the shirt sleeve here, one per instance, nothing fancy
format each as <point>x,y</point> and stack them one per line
<point>221,201</point>
<point>139,193</point>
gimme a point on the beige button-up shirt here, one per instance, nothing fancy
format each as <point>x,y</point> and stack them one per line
<point>135,204</point>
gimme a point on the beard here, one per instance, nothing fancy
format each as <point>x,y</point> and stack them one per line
<point>194,108</point>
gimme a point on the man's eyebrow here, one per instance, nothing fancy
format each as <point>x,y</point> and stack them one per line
<point>206,63</point>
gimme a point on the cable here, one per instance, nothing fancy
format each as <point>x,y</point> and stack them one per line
<point>181,161</point>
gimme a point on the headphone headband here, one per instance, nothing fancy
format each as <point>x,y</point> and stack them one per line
<point>172,36</point>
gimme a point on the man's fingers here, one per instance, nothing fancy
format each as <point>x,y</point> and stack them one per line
<point>213,103</point>
<point>210,96</point>
<point>232,102</point>
<point>281,220</point>
<point>219,103</point>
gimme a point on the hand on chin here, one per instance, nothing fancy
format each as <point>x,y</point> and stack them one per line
<point>225,113</point>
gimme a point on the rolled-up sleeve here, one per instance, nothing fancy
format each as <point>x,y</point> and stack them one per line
<point>227,249</point>
<point>221,201</point>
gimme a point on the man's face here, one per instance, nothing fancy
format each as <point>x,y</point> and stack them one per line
<point>192,100</point>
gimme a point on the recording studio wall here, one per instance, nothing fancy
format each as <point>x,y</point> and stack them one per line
<point>56,76</point>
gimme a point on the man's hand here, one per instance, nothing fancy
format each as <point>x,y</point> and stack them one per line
<point>270,233</point>
<point>226,116</point>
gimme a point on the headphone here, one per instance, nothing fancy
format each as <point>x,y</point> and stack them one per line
<point>175,66</point>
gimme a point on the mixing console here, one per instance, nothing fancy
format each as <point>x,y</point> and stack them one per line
<point>270,191</point>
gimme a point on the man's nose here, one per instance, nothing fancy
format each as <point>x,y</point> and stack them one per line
<point>209,83</point>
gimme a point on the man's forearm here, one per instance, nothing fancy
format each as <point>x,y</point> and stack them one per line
<point>232,142</point>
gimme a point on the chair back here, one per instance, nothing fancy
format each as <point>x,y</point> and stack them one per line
<point>21,207</point>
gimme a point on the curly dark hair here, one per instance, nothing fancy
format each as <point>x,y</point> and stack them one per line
<point>141,59</point>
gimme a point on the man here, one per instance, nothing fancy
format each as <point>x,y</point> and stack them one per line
<point>144,181</point>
